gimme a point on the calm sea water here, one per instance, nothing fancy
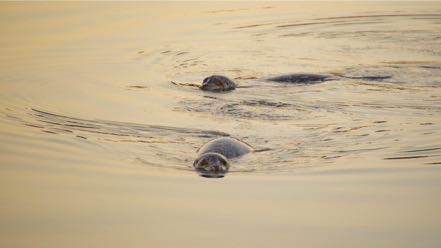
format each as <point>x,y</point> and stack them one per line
<point>93,131</point>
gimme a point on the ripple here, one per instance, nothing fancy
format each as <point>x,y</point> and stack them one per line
<point>437,16</point>
<point>116,128</point>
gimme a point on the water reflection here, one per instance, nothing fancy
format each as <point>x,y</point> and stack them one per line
<point>92,131</point>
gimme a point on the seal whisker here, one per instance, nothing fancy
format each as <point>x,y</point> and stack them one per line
<point>186,84</point>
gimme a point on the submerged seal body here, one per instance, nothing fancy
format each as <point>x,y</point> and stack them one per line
<point>213,157</point>
<point>218,83</point>
<point>301,78</point>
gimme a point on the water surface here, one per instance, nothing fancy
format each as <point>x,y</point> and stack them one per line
<point>97,145</point>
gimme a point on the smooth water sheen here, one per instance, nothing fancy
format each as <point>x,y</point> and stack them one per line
<point>97,145</point>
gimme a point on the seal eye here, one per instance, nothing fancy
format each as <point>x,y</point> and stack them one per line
<point>206,80</point>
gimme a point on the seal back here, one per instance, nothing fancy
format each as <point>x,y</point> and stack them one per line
<point>229,147</point>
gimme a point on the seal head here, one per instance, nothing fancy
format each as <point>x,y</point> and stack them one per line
<point>212,165</point>
<point>218,83</point>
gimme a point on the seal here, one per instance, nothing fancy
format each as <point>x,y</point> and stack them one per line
<point>219,83</point>
<point>213,157</point>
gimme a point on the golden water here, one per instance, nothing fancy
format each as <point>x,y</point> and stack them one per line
<point>96,144</point>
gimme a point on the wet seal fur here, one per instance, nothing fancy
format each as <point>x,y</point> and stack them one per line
<point>213,157</point>
<point>300,78</point>
<point>218,83</point>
